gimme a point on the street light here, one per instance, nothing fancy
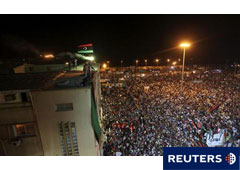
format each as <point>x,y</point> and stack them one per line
<point>137,62</point>
<point>108,63</point>
<point>104,65</point>
<point>174,63</point>
<point>157,61</point>
<point>184,46</point>
<point>145,62</point>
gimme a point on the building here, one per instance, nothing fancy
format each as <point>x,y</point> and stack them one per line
<point>50,114</point>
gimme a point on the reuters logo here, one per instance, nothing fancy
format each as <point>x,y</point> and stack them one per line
<point>231,158</point>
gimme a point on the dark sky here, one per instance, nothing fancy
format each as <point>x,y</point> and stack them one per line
<point>214,38</point>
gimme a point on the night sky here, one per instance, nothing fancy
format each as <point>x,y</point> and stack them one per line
<point>215,38</point>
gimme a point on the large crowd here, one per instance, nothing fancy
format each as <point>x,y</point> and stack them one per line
<point>146,111</point>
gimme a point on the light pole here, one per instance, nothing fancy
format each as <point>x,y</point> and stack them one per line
<point>136,63</point>
<point>145,62</point>
<point>157,61</point>
<point>184,46</point>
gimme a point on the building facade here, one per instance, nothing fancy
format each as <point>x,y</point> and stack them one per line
<point>50,119</point>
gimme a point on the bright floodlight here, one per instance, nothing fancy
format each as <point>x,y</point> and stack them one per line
<point>185,45</point>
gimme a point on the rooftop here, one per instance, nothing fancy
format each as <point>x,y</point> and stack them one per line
<point>46,80</point>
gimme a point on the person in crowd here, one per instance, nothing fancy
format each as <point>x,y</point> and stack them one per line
<point>141,122</point>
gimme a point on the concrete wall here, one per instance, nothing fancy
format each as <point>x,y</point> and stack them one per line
<point>45,109</point>
<point>14,115</point>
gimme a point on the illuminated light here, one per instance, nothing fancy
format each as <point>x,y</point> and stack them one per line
<point>145,61</point>
<point>67,63</point>
<point>142,75</point>
<point>90,58</point>
<point>85,51</point>
<point>174,63</point>
<point>168,60</point>
<point>157,60</point>
<point>172,67</point>
<point>185,45</point>
<point>19,126</point>
<point>136,61</point>
<point>104,65</point>
<point>179,59</point>
<point>108,62</point>
<point>194,72</point>
<point>49,56</point>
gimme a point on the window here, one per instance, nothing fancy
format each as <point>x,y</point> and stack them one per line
<point>68,138</point>
<point>64,107</point>
<point>24,130</point>
<point>10,97</point>
<point>24,97</point>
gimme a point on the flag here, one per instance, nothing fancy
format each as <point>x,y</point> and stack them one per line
<point>199,125</point>
<point>85,49</point>
<point>214,108</point>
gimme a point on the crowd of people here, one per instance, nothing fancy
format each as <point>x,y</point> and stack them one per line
<point>146,111</point>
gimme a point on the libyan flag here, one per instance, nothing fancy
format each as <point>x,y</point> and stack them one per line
<point>85,49</point>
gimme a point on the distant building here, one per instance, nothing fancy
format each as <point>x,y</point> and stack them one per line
<point>49,114</point>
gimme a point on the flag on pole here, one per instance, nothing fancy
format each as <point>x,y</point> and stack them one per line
<point>85,49</point>
<point>214,108</point>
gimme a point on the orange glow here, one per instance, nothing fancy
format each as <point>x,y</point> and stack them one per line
<point>104,65</point>
<point>185,45</point>
<point>49,56</point>
<point>19,126</point>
